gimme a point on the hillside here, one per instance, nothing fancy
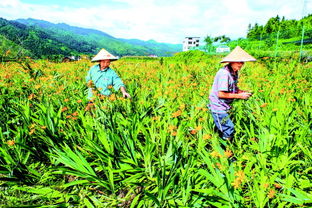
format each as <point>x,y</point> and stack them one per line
<point>40,44</point>
<point>42,39</point>
<point>92,40</point>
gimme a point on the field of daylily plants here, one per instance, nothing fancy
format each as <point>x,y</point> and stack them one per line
<point>159,148</point>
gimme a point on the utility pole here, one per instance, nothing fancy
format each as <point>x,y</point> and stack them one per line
<point>302,31</point>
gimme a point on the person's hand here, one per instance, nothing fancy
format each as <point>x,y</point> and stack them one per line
<point>245,95</point>
<point>126,95</point>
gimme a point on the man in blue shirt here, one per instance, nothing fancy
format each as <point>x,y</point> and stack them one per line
<point>102,77</point>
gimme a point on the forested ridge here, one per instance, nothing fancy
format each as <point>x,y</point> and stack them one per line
<point>42,39</point>
<point>286,28</point>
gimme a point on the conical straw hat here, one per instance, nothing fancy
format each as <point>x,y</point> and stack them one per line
<point>238,55</point>
<point>104,54</point>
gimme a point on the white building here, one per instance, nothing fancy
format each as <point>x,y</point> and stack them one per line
<point>189,42</point>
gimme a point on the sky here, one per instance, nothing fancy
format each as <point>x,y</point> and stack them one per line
<point>167,21</point>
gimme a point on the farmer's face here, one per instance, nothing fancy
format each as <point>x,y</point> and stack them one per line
<point>104,63</point>
<point>236,66</point>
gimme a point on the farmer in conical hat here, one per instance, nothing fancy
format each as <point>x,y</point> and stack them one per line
<point>224,91</point>
<point>103,77</point>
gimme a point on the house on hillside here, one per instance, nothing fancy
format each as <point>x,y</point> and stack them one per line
<point>189,42</point>
<point>68,59</point>
<point>71,58</point>
<point>222,49</point>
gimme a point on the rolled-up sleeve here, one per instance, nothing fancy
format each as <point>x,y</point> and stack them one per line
<point>117,82</point>
<point>223,82</point>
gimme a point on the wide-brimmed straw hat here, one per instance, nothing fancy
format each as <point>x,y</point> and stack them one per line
<point>104,54</point>
<point>238,55</point>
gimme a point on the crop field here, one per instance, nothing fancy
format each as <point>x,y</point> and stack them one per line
<point>159,148</point>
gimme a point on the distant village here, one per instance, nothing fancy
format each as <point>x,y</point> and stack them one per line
<point>192,43</point>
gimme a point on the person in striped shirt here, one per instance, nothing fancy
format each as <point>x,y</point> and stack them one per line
<point>225,90</point>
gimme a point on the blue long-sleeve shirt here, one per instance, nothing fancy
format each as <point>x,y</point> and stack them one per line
<point>102,79</point>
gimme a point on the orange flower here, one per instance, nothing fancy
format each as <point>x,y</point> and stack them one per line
<point>271,193</point>
<point>215,154</point>
<point>236,183</point>
<point>177,113</point>
<point>253,139</point>
<point>109,87</point>
<point>112,97</point>
<point>207,136</point>
<point>32,131</point>
<point>239,179</point>
<point>89,106</point>
<point>228,153</point>
<point>31,96</point>
<point>90,83</point>
<point>174,133</point>
<point>219,166</point>
<point>155,118</point>
<point>194,131</point>
<point>292,99</point>
<point>278,186</point>
<point>198,128</point>
<point>66,100</point>
<point>75,114</point>
<point>79,101</point>
<point>64,109</point>
<point>10,142</point>
<point>240,174</point>
<point>172,127</point>
<point>263,105</point>
<point>201,119</point>
<point>7,76</point>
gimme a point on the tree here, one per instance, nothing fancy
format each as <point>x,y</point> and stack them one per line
<point>209,41</point>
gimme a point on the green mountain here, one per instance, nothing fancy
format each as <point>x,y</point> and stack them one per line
<point>90,41</point>
<point>42,39</point>
<point>19,39</point>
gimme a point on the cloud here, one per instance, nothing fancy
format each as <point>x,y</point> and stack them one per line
<point>161,20</point>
